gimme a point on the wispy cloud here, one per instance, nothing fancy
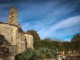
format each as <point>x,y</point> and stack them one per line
<point>66,23</point>
<point>24,26</point>
<point>61,28</point>
<point>48,17</point>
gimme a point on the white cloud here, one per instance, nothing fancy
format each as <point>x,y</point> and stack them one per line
<point>25,26</point>
<point>67,24</point>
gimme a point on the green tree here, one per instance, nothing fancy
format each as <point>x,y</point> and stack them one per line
<point>40,44</point>
<point>76,40</point>
<point>35,35</point>
<point>67,46</point>
<point>55,45</point>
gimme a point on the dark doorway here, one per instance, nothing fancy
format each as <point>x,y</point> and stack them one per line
<point>3,40</point>
<point>3,44</point>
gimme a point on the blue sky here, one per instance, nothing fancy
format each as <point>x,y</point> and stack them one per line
<point>50,18</point>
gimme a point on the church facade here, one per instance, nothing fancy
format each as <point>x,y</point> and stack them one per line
<point>14,35</point>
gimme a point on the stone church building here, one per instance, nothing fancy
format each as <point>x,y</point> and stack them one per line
<point>14,38</point>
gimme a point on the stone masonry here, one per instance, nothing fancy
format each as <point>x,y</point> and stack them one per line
<point>13,16</point>
<point>14,34</point>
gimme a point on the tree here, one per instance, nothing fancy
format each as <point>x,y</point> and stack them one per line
<point>35,35</point>
<point>76,40</point>
<point>67,46</point>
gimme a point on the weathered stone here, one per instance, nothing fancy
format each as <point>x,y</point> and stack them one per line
<point>1,58</point>
<point>13,33</point>
<point>11,58</point>
<point>13,16</point>
<point>29,41</point>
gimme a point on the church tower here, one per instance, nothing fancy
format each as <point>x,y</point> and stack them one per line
<point>13,17</point>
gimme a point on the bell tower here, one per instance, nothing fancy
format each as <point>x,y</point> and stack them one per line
<point>13,17</point>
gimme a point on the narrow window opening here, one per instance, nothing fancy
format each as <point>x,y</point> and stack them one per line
<point>11,39</point>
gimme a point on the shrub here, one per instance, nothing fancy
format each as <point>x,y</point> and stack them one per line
<point>43,53</point>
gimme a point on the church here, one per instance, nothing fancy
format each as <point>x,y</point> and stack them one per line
<point>12,36</point>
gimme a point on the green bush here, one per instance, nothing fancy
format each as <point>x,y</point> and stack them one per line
<point>48,53</point>
<point>26,55</point>
<point>43,53</point>
<point>44,50</point>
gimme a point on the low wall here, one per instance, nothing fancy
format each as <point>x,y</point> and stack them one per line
<point>1,58</point>
<point>8,58</point>
<point>48,59</point>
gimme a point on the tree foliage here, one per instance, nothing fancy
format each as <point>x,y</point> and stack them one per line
<point>54,44</point>
<point>67,46</point>
<point>34,34</point>
<point>76,40</point>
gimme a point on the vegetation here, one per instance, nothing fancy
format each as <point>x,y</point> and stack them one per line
<point>37,54</point>
<point>35,35</point>
<point>46,48</point>
<point>50,43</point>
<point>61,46</point>
<point>76,41</point>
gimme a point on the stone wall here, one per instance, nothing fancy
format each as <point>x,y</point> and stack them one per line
<point>29,41</point>
<point>16,38</point>
<point>9,32</point>
<point>13,16</point>
<point>21,41</point>
<point>8,58</point>
<point>1,58</point>
<point>13,35</point>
